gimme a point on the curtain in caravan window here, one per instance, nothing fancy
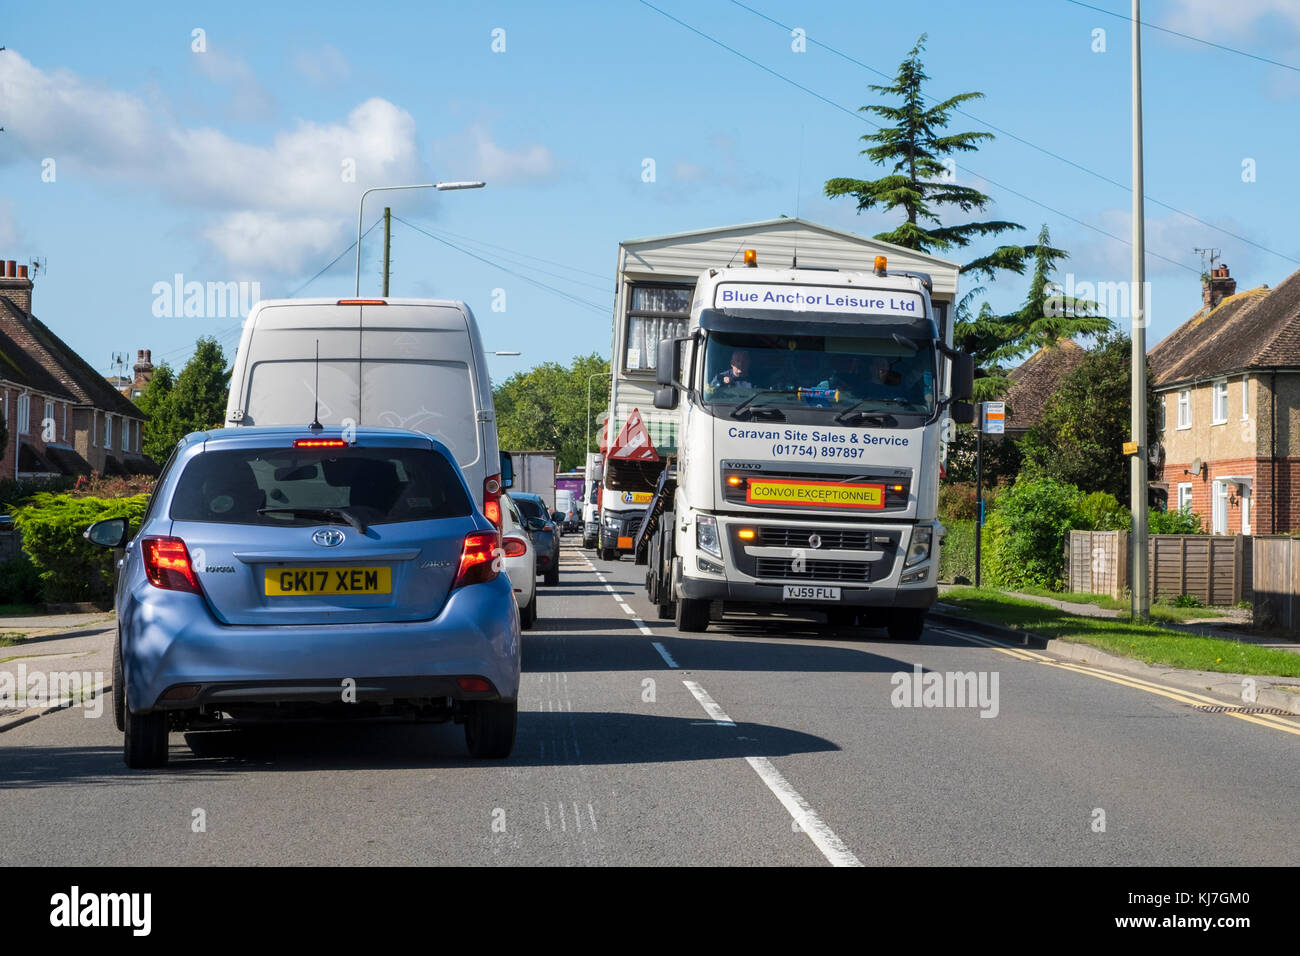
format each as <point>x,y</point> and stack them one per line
<point>656,313</point>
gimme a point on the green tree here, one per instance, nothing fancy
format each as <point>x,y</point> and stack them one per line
<point>191,401</point>
<point>1046,317</point>
<point>1086,422</point>
<point>546,408</point>
<point>913,146</point>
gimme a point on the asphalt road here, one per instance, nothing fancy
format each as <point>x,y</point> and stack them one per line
<point>773,742</point>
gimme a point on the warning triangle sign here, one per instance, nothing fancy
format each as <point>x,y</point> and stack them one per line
<point>633,442</point>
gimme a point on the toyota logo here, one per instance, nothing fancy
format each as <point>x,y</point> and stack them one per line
<point>329,537</point>
<point>814,541</point>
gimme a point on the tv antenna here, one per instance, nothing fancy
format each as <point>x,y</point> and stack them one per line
<point>38,265</point>
<point>315,426</point>
<point>1208,258</point>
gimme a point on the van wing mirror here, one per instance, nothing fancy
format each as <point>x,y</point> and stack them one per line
<point>507,470</point>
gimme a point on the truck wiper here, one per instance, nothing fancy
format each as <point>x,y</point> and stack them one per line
<point>735,412</point>
<point>347,516</point>
<point>852,410</point>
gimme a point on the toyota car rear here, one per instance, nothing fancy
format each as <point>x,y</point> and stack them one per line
<point>283,573</point>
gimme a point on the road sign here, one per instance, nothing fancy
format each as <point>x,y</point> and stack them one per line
<point>995,418</point>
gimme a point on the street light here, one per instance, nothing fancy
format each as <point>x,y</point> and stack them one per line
<point>441,187</point>
<point>587,447</point>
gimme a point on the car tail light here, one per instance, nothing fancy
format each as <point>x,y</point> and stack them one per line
<point>480,559</point>
<point>514,547</point>
<point>492,499</point>
<point>548,527</point>
<point>167,564</point>
<point>474,684</point>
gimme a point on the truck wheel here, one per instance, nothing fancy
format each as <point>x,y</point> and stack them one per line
<point>609,554</point>
<point>490,728</point>
<point>906,623</point>
<point>692,614</point>
<point>588,543</point>
<point>145,743</point>
<point>666,611</point>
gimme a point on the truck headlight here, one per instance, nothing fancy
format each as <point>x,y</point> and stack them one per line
<point>706,535</point>
<point>920,547</point>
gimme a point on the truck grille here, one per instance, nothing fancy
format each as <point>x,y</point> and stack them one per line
<point>834,538</point>
<point>851,571</point>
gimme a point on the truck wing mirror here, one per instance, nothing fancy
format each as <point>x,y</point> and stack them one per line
<point>962,379</point>
<point>665,370</point>
<point>666,397</point>
<point>963,413</point>
<point>597,474</point>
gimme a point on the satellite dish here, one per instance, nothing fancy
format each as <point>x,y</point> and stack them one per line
<point>1197,466</point>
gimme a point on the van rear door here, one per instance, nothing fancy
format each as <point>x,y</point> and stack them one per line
<point>418,372</point>
<point>279,385</point>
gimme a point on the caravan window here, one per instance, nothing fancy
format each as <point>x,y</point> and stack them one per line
<point>655,313</point>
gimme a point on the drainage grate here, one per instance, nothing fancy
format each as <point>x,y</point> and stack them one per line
<point>1227,709</point>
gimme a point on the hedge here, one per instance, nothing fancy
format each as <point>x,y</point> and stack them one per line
<point>71,568</point>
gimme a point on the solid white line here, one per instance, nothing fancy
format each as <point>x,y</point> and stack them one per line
<point>668,658</point>
<point>831,846</point>
<point>709,704</point>
<point>641,626</point>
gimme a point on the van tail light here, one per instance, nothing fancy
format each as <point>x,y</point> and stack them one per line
<point>514,547</point>
<point>480,558</point>
<point>492,499</point>
<point>168,566</point>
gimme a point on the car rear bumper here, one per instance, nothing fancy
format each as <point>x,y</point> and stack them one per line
<point>171,639</point>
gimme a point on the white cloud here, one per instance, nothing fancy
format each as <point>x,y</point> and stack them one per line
<point>323,66</point>
<point>1109,260</point>
<point>476,155</point>
<point>1215,19</point>
<point>280,203</point>
<point>249,99</point>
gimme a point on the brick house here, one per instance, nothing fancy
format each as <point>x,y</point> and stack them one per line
<point>1034,380</point>
<point>1228,384</point>
<point>63,417</point>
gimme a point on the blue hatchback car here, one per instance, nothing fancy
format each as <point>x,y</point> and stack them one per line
<point>284,573</point>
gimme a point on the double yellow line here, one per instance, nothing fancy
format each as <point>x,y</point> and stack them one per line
<point>1137,683</point>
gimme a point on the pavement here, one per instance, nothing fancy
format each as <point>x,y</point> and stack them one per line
<point>66,643</point>
<point>763,741</point>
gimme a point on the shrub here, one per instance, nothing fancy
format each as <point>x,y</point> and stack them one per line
<point>20,581</point>
<point>112,486</point>
<point>957,550</point>
<point>71,568</point>
<point>1174,522</point>
<point>957,500</point>
<point>16,491</point>
<point>1101,511</point>
<point>1025,535</point>
<point>1187,600</point>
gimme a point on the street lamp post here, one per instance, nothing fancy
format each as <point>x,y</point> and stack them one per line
<point>587,447</point>
<point>362,205</point>
<point>1140,598</point>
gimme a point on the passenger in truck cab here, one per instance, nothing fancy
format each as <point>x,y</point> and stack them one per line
<point>736,374</point>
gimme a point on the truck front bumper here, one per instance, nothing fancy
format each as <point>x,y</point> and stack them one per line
<point>743,592</point>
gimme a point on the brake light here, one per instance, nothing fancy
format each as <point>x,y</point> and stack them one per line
<point>362,302</point>
<point>167,564</point>
<point>514,547</point>
<point>492,499</point>
<point>319,443</point>
<point>480,558</point>
<point>548,527</point>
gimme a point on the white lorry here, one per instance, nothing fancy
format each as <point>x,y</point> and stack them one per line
<point>810,405</point>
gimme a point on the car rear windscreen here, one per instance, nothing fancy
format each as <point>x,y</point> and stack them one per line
<point>374,485</point>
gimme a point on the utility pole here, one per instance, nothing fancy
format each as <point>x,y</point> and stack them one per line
<point>1141,599</point>
<point>388,246</point>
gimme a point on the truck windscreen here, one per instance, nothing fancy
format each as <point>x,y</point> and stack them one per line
<point>819,371</point>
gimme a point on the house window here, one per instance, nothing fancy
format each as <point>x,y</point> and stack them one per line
<point>1220,402</point>
<point>1185,409</point>
<point>657,312</point>
<point>1163,412</point>
<point>24,413</point>
<point>1245,398</point>
<point>108,432</point>
<point>1219,508</point>
<point>47,423</point>
<point>1185,496</point>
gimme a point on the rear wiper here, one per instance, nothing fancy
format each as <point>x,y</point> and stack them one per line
<point>346,515</point>
<point>844,416</point>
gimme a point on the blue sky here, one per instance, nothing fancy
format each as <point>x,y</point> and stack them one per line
<point>229,163</point>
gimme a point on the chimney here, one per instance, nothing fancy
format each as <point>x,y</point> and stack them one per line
<point>143,367</point>
<point>1217,286</point>
<point>16,286</point>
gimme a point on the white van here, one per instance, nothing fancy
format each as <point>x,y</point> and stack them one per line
<point>396,363</point>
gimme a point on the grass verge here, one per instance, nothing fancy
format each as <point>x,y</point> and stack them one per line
<point>1150,643</point>
<point>1160,610</point>
<point>10,638</point>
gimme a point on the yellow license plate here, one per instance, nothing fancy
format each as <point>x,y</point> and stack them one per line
<point>636,497</point>
<point>296,581</point>
<point>814,494</point>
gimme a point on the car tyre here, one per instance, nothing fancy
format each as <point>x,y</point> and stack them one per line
<point>119,686</point>
<point>906,623</point>
<point>145,743</point>
<point>490,728</point>
<point>552,577</point>
<point>692,615</point>
<point>608,554</point>
<point>528,613</point>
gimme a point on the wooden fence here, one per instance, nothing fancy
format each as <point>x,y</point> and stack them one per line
<point>1216,569</point>
<point>1277,582</point>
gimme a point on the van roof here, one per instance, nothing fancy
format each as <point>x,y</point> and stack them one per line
<point>391,300</point>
